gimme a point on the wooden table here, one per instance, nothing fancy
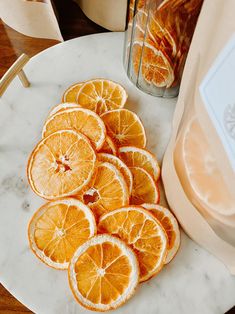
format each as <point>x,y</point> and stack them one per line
<point>73,23</point>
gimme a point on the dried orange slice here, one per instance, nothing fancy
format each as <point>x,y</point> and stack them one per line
<point>144,188</point>
<point>103,273</point>
<point>78,119</point>
<point>160,33</point>
<point>170,225</point>
<point>62,107</point>
<point>108,146</point>
<point>142,232</point>
<point>139,157</point>
<point>101,95</point>
<point>124,127</point>
<point>70,95</point>
<point>125,171</point>
<point>61,164</point>
<point>58,228</point>
<point>156,67</point>
<point>107,191</point>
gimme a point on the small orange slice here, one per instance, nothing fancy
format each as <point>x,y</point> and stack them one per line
<point>125,171</point>
<point>58,228</point>
<point>142,232</point>
<point>78,119</point>
<point>144,188</point>
<point>170,224</point>
<point>107,191</point>
<point>61,164</point>
<point>156,67</point>
<point>103,273</point>
<point>101,95</point>
<point>70,95</point>
<point>62,107</point>
<point>108,146</point>
<point>124,127</point>
<point>137,157</point>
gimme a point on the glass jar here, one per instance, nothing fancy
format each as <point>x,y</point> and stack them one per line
<point>157,41</point>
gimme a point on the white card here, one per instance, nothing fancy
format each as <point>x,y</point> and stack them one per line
<point>218,94</point>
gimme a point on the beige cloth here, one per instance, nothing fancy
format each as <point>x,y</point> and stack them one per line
<point>215,27</point>
<point>31,18</point>
<point>110,14</point>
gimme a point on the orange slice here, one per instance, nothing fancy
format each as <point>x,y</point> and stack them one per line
<point>124,127</point>
<point>70,95</point>
<point>58,228</point>
<point>125,171</point>
<point>142,232</point>
<point>101,95</point>
<point>103,273</point>
<point>200,173</point>
<point>137,157</point>
<point>62,107</point>
<point>108,146</point>
<point>170,225</point>
<point>61,164</point>
<point>144,188</point>
<point>160,33</point>
<point>107,191</point>
<point>156,67</point>
<point>78,119</point>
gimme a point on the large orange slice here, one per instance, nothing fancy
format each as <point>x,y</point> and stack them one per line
<point>107,191</point>
<point>61,164</point>
<point>170,224</point>
<point>139,157</point>
<point>142,232</point>
<point>70,95</point>
<point>124,127</point>
<point>144,188</point>
<point>58,228</point>
<point>125,171</point>
<point>108,146</point>
<point>103,273</point>
<point>78,119</point>
<point>101,95</point>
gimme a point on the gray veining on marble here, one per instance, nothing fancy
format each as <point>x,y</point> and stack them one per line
<point>194,282</point>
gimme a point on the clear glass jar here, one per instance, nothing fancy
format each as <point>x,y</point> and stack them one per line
<point>157,41</point>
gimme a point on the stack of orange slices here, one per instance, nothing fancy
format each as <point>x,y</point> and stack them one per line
<point>160,33</point>
<point>102,222</point>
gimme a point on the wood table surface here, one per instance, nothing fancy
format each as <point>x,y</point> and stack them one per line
<point>73,23</point>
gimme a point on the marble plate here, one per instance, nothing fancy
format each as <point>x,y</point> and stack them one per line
<point>194,282</point>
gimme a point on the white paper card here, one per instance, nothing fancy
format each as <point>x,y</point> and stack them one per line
<point>218,94</point>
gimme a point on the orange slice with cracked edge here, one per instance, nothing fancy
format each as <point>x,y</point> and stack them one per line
<point>58,228</point>
<point>108,146</point>
<point>170,224</point>
<point>107,191</point>
<point>61,164</point>
<point>142,232</point>
<point>62,107</point>
<point>78,119</point>
<point>125,171</point>
<point>138,157</point>
<point>70,95</point>
<point>144,188</point>
<point>124,127</point>
<point>101,95</point>
<point>103,273</point>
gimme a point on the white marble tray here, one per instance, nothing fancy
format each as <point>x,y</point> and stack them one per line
<point>194,282</point>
